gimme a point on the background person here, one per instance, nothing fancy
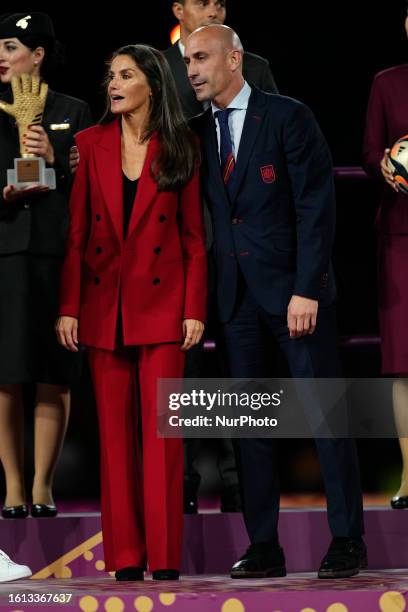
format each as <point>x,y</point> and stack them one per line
<point>386,122</point>
<point>192,14</point>
<point>33,225</point>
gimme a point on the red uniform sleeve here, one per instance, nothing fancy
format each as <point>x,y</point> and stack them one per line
<point>194,252</point>
<point>375,136</point>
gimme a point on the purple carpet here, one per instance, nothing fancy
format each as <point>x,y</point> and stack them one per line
<point>384,591</point>
<point>71,544</point>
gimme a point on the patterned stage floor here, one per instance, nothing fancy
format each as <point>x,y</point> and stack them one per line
<point>384,591</point>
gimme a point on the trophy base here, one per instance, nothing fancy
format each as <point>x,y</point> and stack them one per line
<point>29,172</point>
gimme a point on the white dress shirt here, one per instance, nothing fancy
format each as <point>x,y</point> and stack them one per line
<point>181,47</point>
<point>236,118</point>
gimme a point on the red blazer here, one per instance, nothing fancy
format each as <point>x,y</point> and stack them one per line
<point>387,121</point>
<point>157,275</point>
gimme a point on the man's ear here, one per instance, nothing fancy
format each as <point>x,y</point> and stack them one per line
<point>235,59</point>
<point>178,10</point>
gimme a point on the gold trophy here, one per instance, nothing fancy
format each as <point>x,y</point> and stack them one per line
<point>29,98</point>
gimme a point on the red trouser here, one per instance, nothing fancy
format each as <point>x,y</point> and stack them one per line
<point>142,483</point>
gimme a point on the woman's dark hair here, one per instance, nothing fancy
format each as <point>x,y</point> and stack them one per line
<point>54,55</point>
<point>179,151</point>
<point>35,30</point>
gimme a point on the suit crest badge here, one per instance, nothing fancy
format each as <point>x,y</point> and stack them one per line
<point>268,174</point>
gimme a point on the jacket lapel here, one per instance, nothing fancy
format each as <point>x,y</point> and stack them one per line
<point>147,188</point>
<point>252,124</point>
<point>108,159</point>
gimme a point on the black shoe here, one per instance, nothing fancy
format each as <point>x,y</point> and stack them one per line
<point>130,573</point>
<point>399,503</point>
<point>190,500</point>
<point>166,574</point>
<point>231,499</point>
<point>345,557</point>
<point>15,512</point>
<point>43,511</point>
<point>260,561</point>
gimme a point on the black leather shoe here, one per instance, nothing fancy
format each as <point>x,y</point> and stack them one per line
<point>43,511</point>
<point>231,499</point>
<point>345,557</point>
<point>15,512</point>
<point>260,561</point>
<point>166,574</point>
<point>399,503</point>
<point>130,573</point>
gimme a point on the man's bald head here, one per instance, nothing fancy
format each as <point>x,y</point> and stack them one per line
<point>213,55</point>
<point>223,34</point>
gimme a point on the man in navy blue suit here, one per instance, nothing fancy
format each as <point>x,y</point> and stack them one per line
<point>192,14</point>
<point>267,177</point>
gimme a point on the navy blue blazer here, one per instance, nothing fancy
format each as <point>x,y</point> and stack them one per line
<point>278,225</point>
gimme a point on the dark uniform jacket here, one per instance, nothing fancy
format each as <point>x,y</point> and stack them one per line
<point>39,223</point>
<point>387,121</point>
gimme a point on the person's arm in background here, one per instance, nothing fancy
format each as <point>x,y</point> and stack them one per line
<point>257,72</point>
<point>375,151</point>
<point>267,81</point>
<point>63,165</point>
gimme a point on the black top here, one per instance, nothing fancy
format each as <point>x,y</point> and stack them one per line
<point>129,194</point>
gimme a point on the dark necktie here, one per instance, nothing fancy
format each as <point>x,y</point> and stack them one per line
<point>226,154</point>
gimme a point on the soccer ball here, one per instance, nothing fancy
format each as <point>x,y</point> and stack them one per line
<point>398,163</point>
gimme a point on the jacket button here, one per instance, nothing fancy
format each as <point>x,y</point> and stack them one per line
<point>244,253</point>
<point>157,250</point>
<point>235,221</point>
<point>98,217</point>
<point>26,206</point>
<point>156,281</point>
<point>97,280</point>
<point>162,218</point>
<point>98,250</point>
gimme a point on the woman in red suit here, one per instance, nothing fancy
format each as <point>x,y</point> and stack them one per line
<point>387,121</point>
<point>134,293</point>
